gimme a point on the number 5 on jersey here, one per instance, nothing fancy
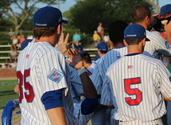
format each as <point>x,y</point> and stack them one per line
<point>133,91</point>
<point>28,89</point>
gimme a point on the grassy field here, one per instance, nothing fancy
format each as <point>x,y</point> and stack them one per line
<point>7,91</point>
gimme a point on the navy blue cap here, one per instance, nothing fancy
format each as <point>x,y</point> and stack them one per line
<point>47,17</point>
<point>166,9</point>
<point>102,46</point>
<point>135,31</point>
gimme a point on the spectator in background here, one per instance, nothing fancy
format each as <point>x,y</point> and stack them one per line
<point>96,38</point>
<point>21,38</point>
<point>100,30</point>
<point>76,45</point>
<point>76,37</point>
<point>13,54</point>
<point>14,40</point>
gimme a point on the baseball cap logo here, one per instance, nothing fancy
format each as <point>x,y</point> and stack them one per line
<point>130,35</point>
<point>37,24</point>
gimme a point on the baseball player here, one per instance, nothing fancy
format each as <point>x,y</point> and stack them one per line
<point>165,16</point>
<point>100,69</point>
<point>142,15</point>
<point>44,75</point>
<point>138,83</point>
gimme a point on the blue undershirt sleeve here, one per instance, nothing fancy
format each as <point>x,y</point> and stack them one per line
<point>52,99</point>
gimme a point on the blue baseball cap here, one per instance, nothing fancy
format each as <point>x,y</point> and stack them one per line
<point>166,9</point>
<point>135,31</point>
<point>102,46</point>
<point>47,17</point>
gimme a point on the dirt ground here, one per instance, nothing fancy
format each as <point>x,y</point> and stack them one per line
<point>7,74</point>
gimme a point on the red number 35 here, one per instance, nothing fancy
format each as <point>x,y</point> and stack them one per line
<point>28,89</point>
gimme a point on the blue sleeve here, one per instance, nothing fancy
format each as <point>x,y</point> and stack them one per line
<point>25,43</point>
<point>88,106</point>
<point>7,112</point>
<point>52,99</point>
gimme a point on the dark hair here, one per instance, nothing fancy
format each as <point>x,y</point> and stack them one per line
<point>140,12</point>
<point>156,24</point>
<point>86,57</point>
<point>116,31</point>
<point>44,31</point>
<point>133,41</point>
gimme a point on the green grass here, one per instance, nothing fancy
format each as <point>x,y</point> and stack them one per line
<point>7,91</point>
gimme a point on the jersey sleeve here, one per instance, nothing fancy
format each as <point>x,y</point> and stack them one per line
<point>52,72</point>
<point>74,79</point>
<point>106,96</point>
<point>97,79</point>
<point>159,42</point>
<point>164,78</point>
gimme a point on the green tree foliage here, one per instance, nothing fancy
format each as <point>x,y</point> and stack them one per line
<point>86,14</point>
<point>18,11</point>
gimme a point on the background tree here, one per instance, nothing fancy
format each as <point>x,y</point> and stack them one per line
<point>86,14</point>
<point>18,11</point>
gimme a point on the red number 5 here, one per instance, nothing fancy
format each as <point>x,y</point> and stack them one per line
<point>28,93</point>
<point>133,91</point>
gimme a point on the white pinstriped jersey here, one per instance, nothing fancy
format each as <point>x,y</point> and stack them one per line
<point>100,69</point>
<point>41,68</point>
<point>139,83</point>
<point>156,42</point>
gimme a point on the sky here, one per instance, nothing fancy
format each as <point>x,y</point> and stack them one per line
<point>164,2</point>
<point>69,3</point>
<point>66,5</point>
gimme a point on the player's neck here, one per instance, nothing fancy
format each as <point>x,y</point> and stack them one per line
<point>134,49</point>
<point>49,39</point>
<point>142,24</point>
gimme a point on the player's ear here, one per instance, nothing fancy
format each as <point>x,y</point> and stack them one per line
<point>148,20</point>
<point>125,43</point>
<point>59,29</point>
<point>142,42</point>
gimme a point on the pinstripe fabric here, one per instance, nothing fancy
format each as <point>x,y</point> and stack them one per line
<point>75,81</point>
<point>142,100</point>
<point>156,42</point>
<point>100,69</point>
<point>136,122</point>
<point>40,58</point>
<point>99,75</point>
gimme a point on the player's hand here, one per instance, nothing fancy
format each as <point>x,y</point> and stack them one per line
<point>63,43</point>
<point>72,52</point>
<point>16,89</point>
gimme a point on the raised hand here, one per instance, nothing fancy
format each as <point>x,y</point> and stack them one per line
<point>63,42</point>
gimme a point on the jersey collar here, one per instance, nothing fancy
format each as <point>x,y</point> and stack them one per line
<point>132,54</point>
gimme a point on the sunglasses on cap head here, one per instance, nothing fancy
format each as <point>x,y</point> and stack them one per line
<point>166,21</point>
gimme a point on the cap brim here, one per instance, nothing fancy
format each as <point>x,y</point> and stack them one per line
<point>146,39</point>
<point>64,21</point>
